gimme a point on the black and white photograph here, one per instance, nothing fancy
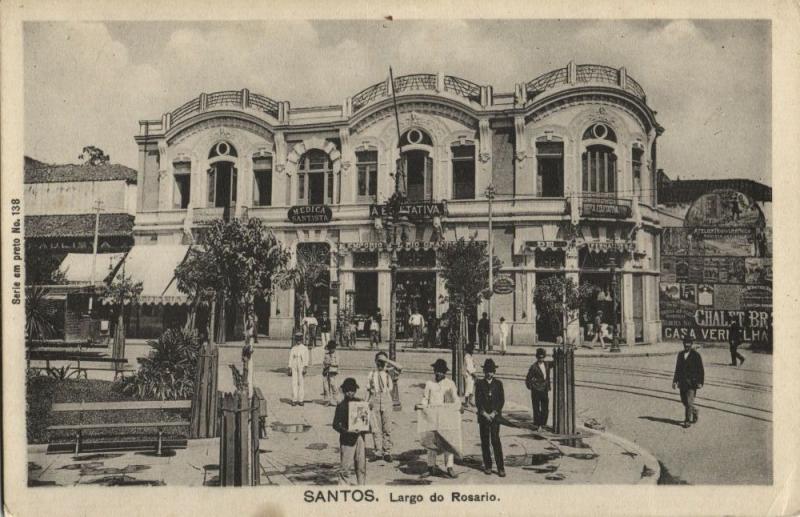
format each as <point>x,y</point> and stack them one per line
<point>254,252</point>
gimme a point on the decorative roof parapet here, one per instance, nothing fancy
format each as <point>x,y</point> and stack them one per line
<point>584,74</point>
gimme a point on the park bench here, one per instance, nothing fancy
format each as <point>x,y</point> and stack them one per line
<point>159,444</point>
<point>81,358</point>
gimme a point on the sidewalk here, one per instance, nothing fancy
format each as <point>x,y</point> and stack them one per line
<point>644,350</point>
<point>302,449</point>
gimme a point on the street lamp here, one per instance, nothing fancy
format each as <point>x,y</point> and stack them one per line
<point>490,193</point>
<point>612,264</point>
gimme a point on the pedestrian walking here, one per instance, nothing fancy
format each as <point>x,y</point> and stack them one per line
<point>469,376</point>
<point>325,329</point>
<point>310,329</point>
<point>352,447</point>
<point>330,370</point>
<point>298,365</point>
<point>440,392</point>
<point>503,336</point>
<point>417,324</point>
<point>379,389</point>
<point>538,382</point>
<point>689,377</point>
<point>374,332</point>
<point>598,330</point>
<point>483,333</point>
<point>734,340</point>
<point>489,400</point>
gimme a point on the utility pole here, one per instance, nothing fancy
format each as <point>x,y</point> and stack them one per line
<point>98,206</point>
<point>490,193</point>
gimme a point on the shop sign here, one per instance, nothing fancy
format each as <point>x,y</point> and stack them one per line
<point>504,284</point>
<point>713,324</point>
<point>304,214</point>
<point>421,210</point>
<point>545,245</point>
<point>601,208</point>
<point>611,246</point>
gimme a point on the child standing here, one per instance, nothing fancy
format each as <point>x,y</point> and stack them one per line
<point>330,369</point>
<point>352,449</point>
<point>469,376</point>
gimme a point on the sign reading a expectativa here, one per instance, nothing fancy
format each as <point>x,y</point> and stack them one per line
<point>421,210</point>
<point>310,214</point>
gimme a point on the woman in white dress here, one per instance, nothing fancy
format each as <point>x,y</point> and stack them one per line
<point>469,376</point>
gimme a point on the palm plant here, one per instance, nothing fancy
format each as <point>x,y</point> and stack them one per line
<point>38,314</point>
<point>168,371</point>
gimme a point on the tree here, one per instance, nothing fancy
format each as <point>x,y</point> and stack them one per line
<point>465,270</point>
<point>239,261</point>
<point>123,291</point>
<point>197,278</point>
<point>310,272</point>
<point>93,156</point>
<point>39,314</point>
<point>559,300</point>
<point>42,269</point>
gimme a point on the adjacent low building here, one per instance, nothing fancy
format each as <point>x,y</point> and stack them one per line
<point>571,155</point>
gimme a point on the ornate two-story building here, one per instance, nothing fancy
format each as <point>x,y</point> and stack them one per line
<point>571,155</point>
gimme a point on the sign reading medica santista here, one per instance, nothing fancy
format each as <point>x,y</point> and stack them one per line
<point>414,210</point>
<point>304,214</point>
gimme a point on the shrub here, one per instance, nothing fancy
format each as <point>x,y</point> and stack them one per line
<point>40,390</point>
<point>168,371</point>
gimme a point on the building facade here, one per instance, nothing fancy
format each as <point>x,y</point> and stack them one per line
<point>571,155</point>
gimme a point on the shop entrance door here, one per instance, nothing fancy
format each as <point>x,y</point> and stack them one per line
<point>546,329</point>
<point>415,290</point>
<point>638,308</point>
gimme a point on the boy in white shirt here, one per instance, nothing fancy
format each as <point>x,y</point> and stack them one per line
<point>379,389</point>
<point>440,392</point>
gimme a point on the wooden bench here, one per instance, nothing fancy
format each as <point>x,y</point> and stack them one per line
<point>78,357</point>
<point>160,426</point>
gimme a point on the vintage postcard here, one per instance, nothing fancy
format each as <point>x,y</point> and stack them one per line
<point>561,215</point>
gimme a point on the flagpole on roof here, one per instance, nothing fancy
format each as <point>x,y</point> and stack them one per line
<point>398,179</point>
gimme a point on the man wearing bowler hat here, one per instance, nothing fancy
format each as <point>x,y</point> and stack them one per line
<point>352,449</point>
<point>538,381</point>
<point>689,377</point>
<point>489,400</point>
<point>440,392</point>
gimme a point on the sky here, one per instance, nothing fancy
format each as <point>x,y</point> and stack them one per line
<point>90,83</point>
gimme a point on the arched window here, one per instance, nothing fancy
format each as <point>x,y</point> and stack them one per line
<point>599,166</point>
<point>315,178</point>
<point>599,131</point>
<point>222,175</point>
<point>417,164</point>
<point>550,168</point>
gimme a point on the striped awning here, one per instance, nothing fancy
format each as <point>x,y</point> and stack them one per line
<point>154,266</point>
<point>77,267</point>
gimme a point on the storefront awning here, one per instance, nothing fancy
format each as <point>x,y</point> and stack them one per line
<point>77,267</point>
<point>154,266</point>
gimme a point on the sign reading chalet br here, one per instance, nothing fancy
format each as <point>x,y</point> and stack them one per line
<point>305,214</point>
<point>414,210</point>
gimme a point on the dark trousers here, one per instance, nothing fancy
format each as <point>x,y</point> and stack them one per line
<point>735,354</point>
<point>483,338</point>
<point>687,397</point>
<point>541,405</point>
<point>491,431</point>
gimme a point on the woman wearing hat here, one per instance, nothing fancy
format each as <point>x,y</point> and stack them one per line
<point>440,392</point>
<point>352,448</point>
<point>330,369</point>
<point>489,399</point>
<point>538,381</point>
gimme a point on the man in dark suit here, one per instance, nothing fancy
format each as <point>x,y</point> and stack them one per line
<point>689,377</point>
<point>734,340</point>
<point>538,381</point>
<point>489,400</point>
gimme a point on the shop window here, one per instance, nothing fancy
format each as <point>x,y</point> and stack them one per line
<point>417,258</point>
<point>463,171</point>
<point>550,259</point>
<point>550,169</point>
<point>262,181</point>
<point>636,169</point>
<point>315,179</point>
<point>367,164</point>
<point>183,181</point>
<point>368,259</point>
<point>599,170</point>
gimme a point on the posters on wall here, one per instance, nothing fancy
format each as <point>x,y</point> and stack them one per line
<point>717,269</point>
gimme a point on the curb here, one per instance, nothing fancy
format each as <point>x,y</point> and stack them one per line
<point>650,461</point>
